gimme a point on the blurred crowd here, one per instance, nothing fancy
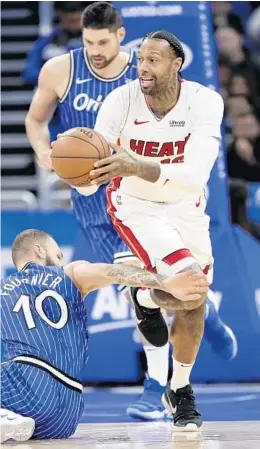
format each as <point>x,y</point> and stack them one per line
<point>238,43</point>
<point>239,74</point>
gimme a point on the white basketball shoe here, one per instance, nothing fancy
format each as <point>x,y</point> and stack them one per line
<point>15,427</point>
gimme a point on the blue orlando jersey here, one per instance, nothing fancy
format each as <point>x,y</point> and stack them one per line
<point>43,315</point>
<point>86,90</point>
<point>79,107</point>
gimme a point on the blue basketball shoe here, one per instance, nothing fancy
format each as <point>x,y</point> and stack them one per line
<point>220,336</point>
<point>149,407</point>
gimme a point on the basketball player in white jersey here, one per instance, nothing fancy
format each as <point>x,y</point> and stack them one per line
<point>98,68</point>
<point>169,132</point>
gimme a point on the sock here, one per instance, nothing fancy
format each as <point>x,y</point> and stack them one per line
<point>181,374</point>
<point>158,363</point>
<point>144,299</point>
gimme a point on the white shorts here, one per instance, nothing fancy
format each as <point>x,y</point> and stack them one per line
<point>163,240</point>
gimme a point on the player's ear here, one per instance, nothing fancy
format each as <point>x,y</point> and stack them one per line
<point>177,64</point>
<point>40,251</point>
<point>121,34</point>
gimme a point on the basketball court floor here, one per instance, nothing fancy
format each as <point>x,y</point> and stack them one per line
<point>231,420</point>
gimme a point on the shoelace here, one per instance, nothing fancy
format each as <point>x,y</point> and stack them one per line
<point>186,408</point>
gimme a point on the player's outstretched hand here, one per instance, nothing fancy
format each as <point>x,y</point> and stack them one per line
<point>187,286</point>
<point>44,160</point>
<point>120,164</point>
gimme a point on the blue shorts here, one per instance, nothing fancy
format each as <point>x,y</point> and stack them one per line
<point>92,216</point>
<point>33,392</point>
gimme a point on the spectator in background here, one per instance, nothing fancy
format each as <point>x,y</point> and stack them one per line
<point>65,37</point>
<point>243,160</point>
<point>224,73</point>
<point>253,36</point>
<point>237,105</point>
<point>224,17</point>
<point>240,87</point>
<point>244,153</point>
<point>231,47</point>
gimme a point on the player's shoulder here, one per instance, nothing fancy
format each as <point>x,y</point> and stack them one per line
<point>197,93</point>
<point>56,68</point>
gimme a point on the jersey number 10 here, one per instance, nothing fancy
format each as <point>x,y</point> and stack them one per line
<point>23,304</point>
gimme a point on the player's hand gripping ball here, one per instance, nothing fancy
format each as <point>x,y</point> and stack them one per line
<point>74,154</point>
<point>121,164</point>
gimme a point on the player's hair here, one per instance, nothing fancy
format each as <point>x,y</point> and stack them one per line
<point>23,242</point>
<point>101,15</point>
<point>172,40</point>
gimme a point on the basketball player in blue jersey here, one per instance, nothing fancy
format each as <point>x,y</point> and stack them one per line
<point>45,337</point>
<point>78,83</point>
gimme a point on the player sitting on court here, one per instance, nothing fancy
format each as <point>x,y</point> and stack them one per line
<point>44,332</point>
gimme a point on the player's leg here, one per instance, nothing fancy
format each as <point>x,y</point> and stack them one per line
<point>159,245</point>
<point>149,406</point>
<point>14,425</point>
<point>33,393</point>
<point>218,334</point>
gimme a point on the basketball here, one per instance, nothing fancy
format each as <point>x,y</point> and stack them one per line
<point>75,152</point>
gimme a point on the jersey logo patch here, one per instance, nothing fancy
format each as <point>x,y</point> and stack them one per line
<point>173,123</point>
<point>79,81</point>
<point>140,123</point>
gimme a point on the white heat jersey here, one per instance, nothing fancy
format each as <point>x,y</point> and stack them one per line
<point>125,115</point>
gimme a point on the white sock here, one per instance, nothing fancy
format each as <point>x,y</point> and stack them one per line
<point>158,363</point>
<point>144,299</point>
<point>181,374</point>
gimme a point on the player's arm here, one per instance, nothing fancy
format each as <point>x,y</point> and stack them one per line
<point>201,151</point>
<point>88,277</point>
<point>43,105</point>
<point>202,147</point>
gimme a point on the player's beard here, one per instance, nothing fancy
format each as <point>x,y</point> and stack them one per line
<point>49,262</point>
<point>103,63</point>
<point>160,90</point>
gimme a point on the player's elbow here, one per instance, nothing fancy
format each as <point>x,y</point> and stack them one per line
<point>31,122</point>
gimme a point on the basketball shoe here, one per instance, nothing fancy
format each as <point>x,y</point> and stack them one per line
<point>15,427</point>
<point>149,407</point>
<point>182,405</point>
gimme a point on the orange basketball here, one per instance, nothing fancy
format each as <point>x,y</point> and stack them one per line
<point>75,152</point>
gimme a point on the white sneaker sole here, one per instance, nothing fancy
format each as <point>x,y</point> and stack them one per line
<point>20,429</point>
<point>190,427</point>
<point>156,415</point>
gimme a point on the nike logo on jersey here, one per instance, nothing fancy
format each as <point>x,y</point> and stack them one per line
<point>140,123</point>
<point>86,80</point>
<point>198,202</point>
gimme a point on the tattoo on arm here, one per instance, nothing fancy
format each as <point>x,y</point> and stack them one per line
<point>167,301</point>
<point>134,276</point>
<point>149,171</point>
